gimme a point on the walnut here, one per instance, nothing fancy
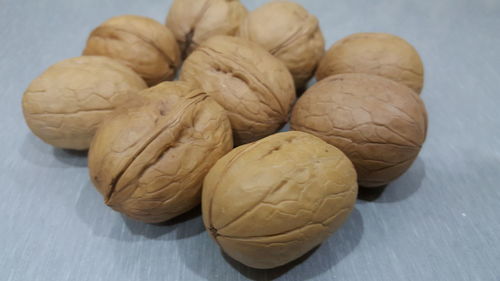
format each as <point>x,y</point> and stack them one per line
<point>374,53</point>
<point>271,201</point>
<point>145,45</point>
<point>254,87</point>
<point>149,160</point>
<point>66,103</point>
<point>290,33</point>
<point>380,124</point>
<point>194,21</point>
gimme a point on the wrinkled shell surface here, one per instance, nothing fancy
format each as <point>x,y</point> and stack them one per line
<point>290,33</point>
<point>374,53</point>
<point>66,103</point>
<point>254,87</point>
<point>380,124</point>
<point>194,21</point>
<point>149,160</point>
<point>271,201</point>
<point>145,45</point>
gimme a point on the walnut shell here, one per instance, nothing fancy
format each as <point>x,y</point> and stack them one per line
<point>271,201</point>
<point>254,87</point>
<point>380,124</point>
<point>145,45</point>
<point>194,21</point>
<point>374,53</point>
<point>66,103</point>
<point>149,160</point>
<point>290,33</point>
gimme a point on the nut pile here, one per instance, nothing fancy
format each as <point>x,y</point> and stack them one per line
<point>267,198</point>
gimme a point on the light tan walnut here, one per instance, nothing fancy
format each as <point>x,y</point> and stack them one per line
<point>374,53</point>
<point>378,123</point>
<point>194,21</point>
<point>269,202</point>
<point>66,103</point>
<point>145,45</point>
<point>254,87</point>
<point>290,33</point>
<point>149,160</point>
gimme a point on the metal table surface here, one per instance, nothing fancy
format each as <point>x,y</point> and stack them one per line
<point>439,221</point>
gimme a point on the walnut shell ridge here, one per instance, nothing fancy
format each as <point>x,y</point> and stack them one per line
<point>194,21</point>
<point>255,88</point>
<point>381,54</point>
<point>68,101</point>
<point>149,160</point>
<point>143,44</point>
<point>378,123</point>
<point>270,202</point>
<point>290,33</point>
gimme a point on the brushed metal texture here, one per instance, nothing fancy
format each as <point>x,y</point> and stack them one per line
<point>439,221</point>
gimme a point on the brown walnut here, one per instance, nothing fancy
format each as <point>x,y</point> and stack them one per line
<point>290,33</point>
<point>194,21</point>
<point>254,87</point>
<point>66,103</point>
<point>374,53</point>
<point>145,45</point>
<point>149,160</point>
<point>271,201</point>
<point>378,123</point>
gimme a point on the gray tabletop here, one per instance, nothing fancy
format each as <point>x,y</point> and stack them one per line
<point>440,221</point>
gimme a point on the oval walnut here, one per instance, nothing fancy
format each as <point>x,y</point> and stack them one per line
<point>271,201</point>
<point>378,123</point>
<point>149,160</point>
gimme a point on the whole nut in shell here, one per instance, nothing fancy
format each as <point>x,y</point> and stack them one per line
<point>145,45</point>
<point>290,33</point>
<point>374,53</point>
<point>66,103</point>
<point>194,21</point>
<point>254,87</point>
<point>271,201</point>
<point>149,160</point>
<point>380,124</point>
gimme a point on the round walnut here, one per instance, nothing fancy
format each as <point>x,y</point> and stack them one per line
<point>271,201</point>
<point>149,160</point>
<point>254,87</point>
<point>374,53</point>
<point>65,105</point>
<point>380,124</point>
<point>290,33</point>
<point>145,45</point>
<point>194,21</point>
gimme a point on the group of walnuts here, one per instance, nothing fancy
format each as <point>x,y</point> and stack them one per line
<point>155,153</point>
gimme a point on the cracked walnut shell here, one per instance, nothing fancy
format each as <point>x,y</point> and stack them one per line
<point>290,33</point>
<point>149,160</point>
<point>143,44</point>
<point>194,21</point>
<point>66,103</point>
<point>378,123</point>
<point>254,87</point>
<point>270,202</point>
<point>374,53</point>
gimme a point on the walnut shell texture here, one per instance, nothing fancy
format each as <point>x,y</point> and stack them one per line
<point>271,201</point>
<point>381,54</point>
<point>290,33</point>
<point>149,160</point>
<point>194,21</point>
<point>66,103</point>
<point>145,45</point>
<point>378,123</point>
<point>254,87</point>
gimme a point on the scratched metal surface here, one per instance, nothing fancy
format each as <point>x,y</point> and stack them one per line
<point>440,221</point>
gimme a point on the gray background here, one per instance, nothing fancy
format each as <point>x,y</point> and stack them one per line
<point>440,221</point>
